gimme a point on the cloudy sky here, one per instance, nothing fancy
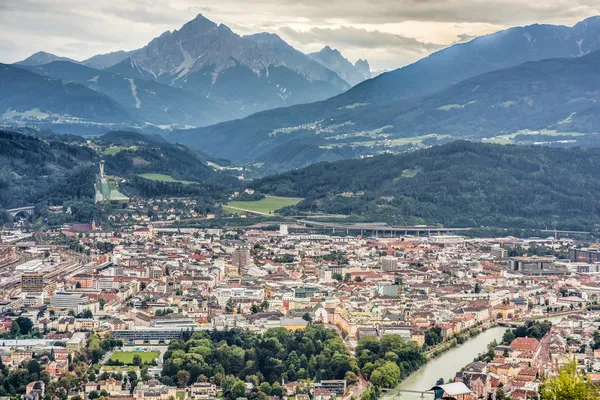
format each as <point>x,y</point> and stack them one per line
<point>389,33</point>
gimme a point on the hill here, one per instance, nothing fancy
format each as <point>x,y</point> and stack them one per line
<point>46,170</point>
<point>146,101</point>
<point>32,170</point>
<point>25,96</point>
<point>396,110</point>
<point>41,57</point>
<point>460,184</point>
<point>131,154</point>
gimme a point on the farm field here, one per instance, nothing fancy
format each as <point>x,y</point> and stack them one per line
<point>164,178</point>
<point>126,357</point>
<point>510,138</point>
<point>111,151</point>
<point>268,205</point>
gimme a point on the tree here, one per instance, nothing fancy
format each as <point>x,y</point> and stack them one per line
<point>230,306</point>
<point>25,325</point>
<point>307,317</point>
<point>477,288</point>
<point>264,305</point>
<point>137,360</point>
<point>386,376</point>
<point>183,378</point>
<point>569,384</point>
<point>15,329</point>
<point>351,378</point>
<point>508,337</point>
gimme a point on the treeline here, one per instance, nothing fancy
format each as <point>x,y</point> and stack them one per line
<point>233,357</point>
<point>141,187</point>
<point>386,361</point>
<point>531,329</point>
<point>33,171</point>
<point>145,154</point>
<point>460,184</point>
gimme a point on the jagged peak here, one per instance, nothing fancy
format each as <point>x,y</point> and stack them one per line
<point>198,24</point>
<point>329,50</point>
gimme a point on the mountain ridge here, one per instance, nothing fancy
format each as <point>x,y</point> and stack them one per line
<point>381,118</point>
<point>460,184</point>
<point>335,61</point>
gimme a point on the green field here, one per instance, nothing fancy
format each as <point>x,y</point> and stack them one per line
<point>416,141</point>
<point>111,151</point>
<point>164,178</point>
<point>126,357</point>
<point>268,205</point>
<point>510,138</point>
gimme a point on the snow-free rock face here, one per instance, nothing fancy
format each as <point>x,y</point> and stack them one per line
<point>101,61</point>
<point>41,57</point>
<point>335,61</point>
<point>250,73</point>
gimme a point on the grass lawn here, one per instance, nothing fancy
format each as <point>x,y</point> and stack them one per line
<point>126,357</point>
<point>510,138</point>
<point>164,178</point>
<point>111,151</point>
<point>267,205</point>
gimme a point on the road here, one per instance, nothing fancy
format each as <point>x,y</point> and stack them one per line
<point>357,390</point>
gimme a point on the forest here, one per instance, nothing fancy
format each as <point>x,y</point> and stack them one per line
<point>45,169</point>
<point>387,360</point>
<point>459,184</point>
<point>233,357</point>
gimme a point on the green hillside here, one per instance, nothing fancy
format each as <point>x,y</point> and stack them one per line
<point>49,169</point>
<point>460,184</point>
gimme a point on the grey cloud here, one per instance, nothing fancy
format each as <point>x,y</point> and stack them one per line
<point>504,12</point>
<point>465,37</point>
<point>80,27</point>
<point>7,45</point>
<point>349,36</point>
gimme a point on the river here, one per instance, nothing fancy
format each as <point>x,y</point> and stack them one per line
<point>447,365</point>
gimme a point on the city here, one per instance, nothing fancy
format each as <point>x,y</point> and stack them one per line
<point>446,300</point>
<point>299,200</point>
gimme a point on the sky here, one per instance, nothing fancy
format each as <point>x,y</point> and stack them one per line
<point>388,33</point>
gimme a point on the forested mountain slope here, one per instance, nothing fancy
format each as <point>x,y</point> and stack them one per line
<point>460,184</point>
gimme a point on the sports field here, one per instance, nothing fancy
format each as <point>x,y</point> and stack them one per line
<point>126,357</point>
<point>268,205</point>
<point>164,178</point>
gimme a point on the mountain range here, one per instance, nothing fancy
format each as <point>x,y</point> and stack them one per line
<point>493,85</point>
<point>248,73</point>
<point>146,102</point>
<point>245,74</point>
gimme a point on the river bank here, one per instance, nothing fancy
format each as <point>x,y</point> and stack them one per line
<point>447,364</point>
